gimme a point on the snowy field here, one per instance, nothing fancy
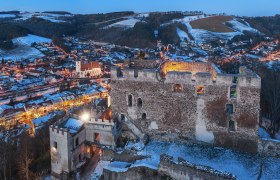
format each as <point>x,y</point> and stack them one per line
<point>55,18</point>
<point>202,36</point>
<point>7,16</point>
<point>129,23</point>
<point>20,53</point>
<point>240,27</point>
<point>24,49</point>
<point>183,35</point>
<point>244,166</point>
<point>29,39</point>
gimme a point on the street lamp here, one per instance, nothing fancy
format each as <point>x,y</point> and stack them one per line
<point>85,116</point>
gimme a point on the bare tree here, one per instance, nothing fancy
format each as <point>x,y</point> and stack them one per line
<point>271,95</point>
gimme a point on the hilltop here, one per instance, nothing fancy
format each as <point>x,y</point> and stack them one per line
<point>134,29</point>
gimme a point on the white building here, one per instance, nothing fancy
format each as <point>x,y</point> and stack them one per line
<point>92,69</point>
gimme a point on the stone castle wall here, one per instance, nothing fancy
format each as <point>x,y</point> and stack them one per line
<point>185,170</point>
<point>187,115</point>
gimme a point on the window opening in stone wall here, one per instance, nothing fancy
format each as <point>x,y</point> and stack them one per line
<point>55,144</point>
<point>177,88</point>
<point>96,137</point>
<point>129,100</point>
<point>144,116</point>
<point>136,73</point>
<point>229,108</point>
<point>231,125</point>
<point>122,117</point>
<point>233,93</point>
<point>119,72</point>
<point>139,102</point>
<point>235,80</point>
<point>77,141</point>
<point>200,90</point>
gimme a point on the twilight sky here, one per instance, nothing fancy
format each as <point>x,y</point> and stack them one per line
<point>235,7</point>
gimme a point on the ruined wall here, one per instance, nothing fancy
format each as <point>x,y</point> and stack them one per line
<point>185,170</point>
<point>186,114</point>
<point>105,132</point>
<point>135,173</point>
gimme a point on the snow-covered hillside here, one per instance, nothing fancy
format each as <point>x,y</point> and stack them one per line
<point>202,35</point>
<point>7,16</point>
<point>29,39</point>
<point>24,49</point>
<point>56,18</point>
<point>128,23</point>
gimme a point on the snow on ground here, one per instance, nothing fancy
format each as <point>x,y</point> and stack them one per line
<point>238,26</point>
<point>99,170</point>
<point>7,15</point>
<point>55,18</point>
<point>20,53</point>
<point>118,166</point>
<point>129,23</point>
<point>183,35</point>
<point>244,166</point>
<point>29,39</point>
<point>263,133</point>
<point>201,35</point>
<point>24,49</point>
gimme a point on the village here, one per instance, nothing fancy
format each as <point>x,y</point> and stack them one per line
<point>97,101</point>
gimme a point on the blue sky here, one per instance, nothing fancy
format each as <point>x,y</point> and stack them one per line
<point>236,7</point>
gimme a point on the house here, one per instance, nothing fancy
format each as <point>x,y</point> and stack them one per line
<point>92,69</point>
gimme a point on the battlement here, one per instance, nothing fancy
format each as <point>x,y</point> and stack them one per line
<point>101,122</point>
<point>168,166</point>
<point>59,131</point>
<point>196,73</point>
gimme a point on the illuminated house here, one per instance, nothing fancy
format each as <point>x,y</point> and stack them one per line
<point>92,69</point>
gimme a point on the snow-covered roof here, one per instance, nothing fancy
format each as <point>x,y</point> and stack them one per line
<point>4,107</point>
<point>73,125</point>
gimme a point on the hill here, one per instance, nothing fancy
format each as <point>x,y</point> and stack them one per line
<point>135,29</point>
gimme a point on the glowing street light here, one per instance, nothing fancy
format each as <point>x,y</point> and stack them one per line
<point>85,116</point>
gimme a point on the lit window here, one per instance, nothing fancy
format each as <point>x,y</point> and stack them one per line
<point>200,90</point>
<point>96,137</point>
<point>55,144</point>
<point>177,88</point>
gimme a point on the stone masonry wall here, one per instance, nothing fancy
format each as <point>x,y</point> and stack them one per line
<point>201,118</point>
<point>185,170</point>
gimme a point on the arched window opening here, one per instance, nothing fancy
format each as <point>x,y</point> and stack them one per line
<point>144,116</point>
<point>139,102</point>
